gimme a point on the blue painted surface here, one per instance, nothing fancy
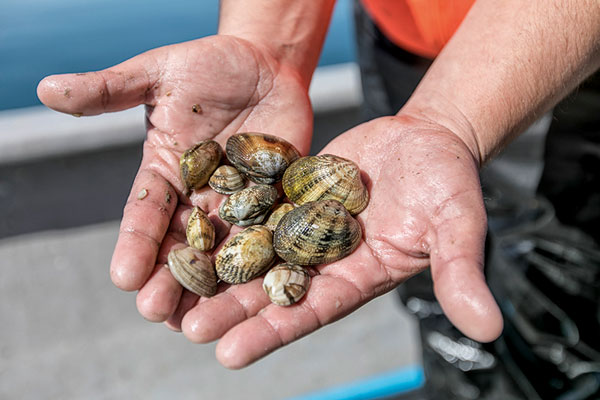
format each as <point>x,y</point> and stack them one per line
<point>40,37</point>
<point>375,387</point>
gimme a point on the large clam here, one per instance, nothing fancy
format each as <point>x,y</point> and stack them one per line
<point>262,158</point>
<point>246,255</point>
<point>198,163</point>
<point>316,233</point>
<point>325,177</point>
<point>249,206</point>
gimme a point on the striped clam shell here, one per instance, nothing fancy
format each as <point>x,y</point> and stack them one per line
<point>249,206</point>
<point>246,255</point>
<point>325,177</point>
<point>316,233</point>
<point>277,214</point>
<point>227,180</point>
<point>198,163</point>
<point>200,232</point>
<point>262,158</point>
<point>286,283</point>
<point>193,270</point>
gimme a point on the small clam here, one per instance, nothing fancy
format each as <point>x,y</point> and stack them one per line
<point>200,232</point>
<point>277,214</point>
<point>316,233</point>
<point>261,157</point>
<point>198,163</point>
<point>286,283</point>
<point>227,180</point>
<point>193,270</point>
<point>246,255</point>
<point>249,206</point>
<point>326,177</point>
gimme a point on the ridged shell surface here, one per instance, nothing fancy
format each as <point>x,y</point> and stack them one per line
<point>286,283</point>
<point>193,270</point>
<point>246,255</point>
<point>200,231</point>
<point>325,177</point>
<point>261,157</point>
<point>277,214</point>
<point>198,163</point>
<point>316,233</point>
<point>227,180</point>
<point>249,206</point>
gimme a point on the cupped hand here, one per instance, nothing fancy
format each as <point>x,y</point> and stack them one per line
<point>209,88</point>
<point>426,209</point>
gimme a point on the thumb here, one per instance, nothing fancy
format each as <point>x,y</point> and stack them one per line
<point>117,88</point>
<point>459,282</point>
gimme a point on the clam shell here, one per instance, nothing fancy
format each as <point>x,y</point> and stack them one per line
<point>262,158</point>
<point>227,180</point>
<point>246,255</point>
<point>316,233</point>
<point>198,163</point>
<point>286,283</point>
<point>200,232</point>
<point>325,177</point>
<point>193,270</point>
<point>249,206</point>
<point>277,214</point>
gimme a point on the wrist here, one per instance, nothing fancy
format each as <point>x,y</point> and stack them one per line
<point>291,32</point>
<point>439,112</point>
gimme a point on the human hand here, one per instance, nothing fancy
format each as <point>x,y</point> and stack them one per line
<point>204,89</point>
<point>426,208</point>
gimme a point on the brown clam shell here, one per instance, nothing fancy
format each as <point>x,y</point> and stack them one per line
<point>193,270</point>
<point>227,180</point>
<point>200,231</point>
<point>246,255</point>
<point>249,206</point>
<point>261,157</point>
<point>316,233</point>
<point>198,163</point>
<point>325,177</point>
<point>286,283</point>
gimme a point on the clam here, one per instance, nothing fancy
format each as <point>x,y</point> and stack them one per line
<point>277,214</point>
<point>246,255</point>
<point>198,163</point>
<point>316,233</point>
<point>249,206</point>
<point>325,177</point>
<point>227,180</point>
<point>193,270</point>
<point>262,158</point>
<point>286,283</point>
<point>200,232</point>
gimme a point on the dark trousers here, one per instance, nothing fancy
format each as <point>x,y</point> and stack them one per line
<point>543,260</point>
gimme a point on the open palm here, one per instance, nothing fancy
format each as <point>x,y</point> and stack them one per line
<point>425,209</point>
<point>210,88</point>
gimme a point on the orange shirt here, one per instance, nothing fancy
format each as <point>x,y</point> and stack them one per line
<point>419,26</point>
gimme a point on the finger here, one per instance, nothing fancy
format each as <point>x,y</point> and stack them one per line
<point>145,220</point>
<point>117,88</point>
<point>210,319</point>
<point>187,302</point>
<point>159,297</point>
<point>457,272</point>
<point>330,297</point>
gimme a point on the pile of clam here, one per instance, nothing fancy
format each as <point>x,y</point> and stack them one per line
<point>315,227</point>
